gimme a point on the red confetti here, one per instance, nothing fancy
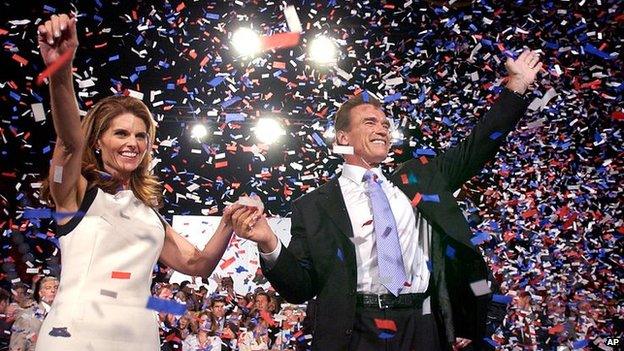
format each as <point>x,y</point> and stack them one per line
<point>386,324</point>
<point>404,179</point>
<point>120,275</point>
<point>54,66</point>
<point>529,213</point>
<point>280,40</point>
<point>227,262</point>
<point>617,115</point>
<point>556,329</point>
<point>416,199</point>
<point>19,59</point>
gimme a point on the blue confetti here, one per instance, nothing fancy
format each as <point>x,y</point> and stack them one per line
<point>365,96</point>
<point>589,48</point>
<point>385,335</point>
<point>425,152</point>
<point>505,299</point>
<point>34,213</point>
<point>168,306</point>
<point>216,81</point>
<point>495,135</point>
<point>430,198</point>
<point>579,344</point>
<point>340,254</point>
<point>230,102</point>
<point>450,252</point>
<point>479,238</point>
<point>393,97</point>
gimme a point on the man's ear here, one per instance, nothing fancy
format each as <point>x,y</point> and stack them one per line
<point>342,138</point>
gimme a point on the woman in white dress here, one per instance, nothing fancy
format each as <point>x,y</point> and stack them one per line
<point>100,172</point>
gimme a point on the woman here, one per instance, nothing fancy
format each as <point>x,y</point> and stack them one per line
<point>100,171</point>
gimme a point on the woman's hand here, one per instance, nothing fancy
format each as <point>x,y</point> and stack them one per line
<point>57,36</point>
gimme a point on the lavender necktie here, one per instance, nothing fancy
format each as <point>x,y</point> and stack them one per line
<point>389,256</point>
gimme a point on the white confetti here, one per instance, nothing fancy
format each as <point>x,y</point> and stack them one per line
<point>38,112</point>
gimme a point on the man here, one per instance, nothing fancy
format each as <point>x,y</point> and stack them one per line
<point>217,317</point>
<point>389,261</point>
<point>27,324</point>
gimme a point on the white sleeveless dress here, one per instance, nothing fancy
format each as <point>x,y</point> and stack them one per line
<point>107,258</point>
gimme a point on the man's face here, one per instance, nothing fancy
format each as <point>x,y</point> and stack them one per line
<point>218,309</point>
<point>47,292</point>
<point>369,134</point>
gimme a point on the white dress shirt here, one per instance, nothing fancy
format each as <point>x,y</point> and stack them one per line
<point>414,233</point>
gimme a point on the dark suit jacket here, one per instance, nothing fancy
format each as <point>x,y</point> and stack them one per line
<point>320,259</point>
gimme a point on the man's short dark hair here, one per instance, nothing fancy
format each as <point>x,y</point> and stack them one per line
<point>217,299</point>
<point>342,120</point>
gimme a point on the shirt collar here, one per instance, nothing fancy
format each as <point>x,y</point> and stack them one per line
<point>356,173</point>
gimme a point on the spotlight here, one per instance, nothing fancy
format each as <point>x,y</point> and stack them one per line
<point>268,130</point>
<point>246,42</point>
<point>322,50</point>
<point>199,132</point>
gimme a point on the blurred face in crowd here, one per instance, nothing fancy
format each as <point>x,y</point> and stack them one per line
<point>165,293</point>
<point>183,322</point>
<point>48,290</point>
<point>261,302</point>
<point>20,294</point>
<point>218,309</point>
<point>369,134</point>
<point>227,283</point>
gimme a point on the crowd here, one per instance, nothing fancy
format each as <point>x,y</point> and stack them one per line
<point>216,320</point>
<point>225,320</point>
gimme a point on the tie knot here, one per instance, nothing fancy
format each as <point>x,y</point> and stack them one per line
<point>369,175</point>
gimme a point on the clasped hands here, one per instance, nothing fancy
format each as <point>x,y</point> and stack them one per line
<point>246,218</point>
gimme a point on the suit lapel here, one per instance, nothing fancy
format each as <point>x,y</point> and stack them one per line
<point>332,202</point>
<point>438,214</point>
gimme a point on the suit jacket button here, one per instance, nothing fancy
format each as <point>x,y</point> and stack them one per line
<point>348,332</point>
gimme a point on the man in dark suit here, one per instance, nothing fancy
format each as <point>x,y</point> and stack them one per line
<point>389,261</point>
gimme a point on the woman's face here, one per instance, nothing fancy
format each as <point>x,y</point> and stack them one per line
<point>183,323</point>
<point>123,145</point>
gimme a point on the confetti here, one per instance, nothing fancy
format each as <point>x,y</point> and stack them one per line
<point>54,66</point>
<point>120,275</point>
<point>60,332</point>
<point>167,306</point>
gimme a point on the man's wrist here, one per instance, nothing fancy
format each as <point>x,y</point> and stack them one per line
<point>269,245</point>
<point>517,85</point>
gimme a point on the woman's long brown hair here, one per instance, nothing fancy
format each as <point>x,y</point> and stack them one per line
<point>143,183</point>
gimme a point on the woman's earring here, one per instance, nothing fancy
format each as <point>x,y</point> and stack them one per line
<point>97,151</point>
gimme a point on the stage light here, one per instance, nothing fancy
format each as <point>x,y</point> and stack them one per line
<point>199,132</point>
<point>268,130</point>
<point>322,50</point>
<point>246,41</point>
